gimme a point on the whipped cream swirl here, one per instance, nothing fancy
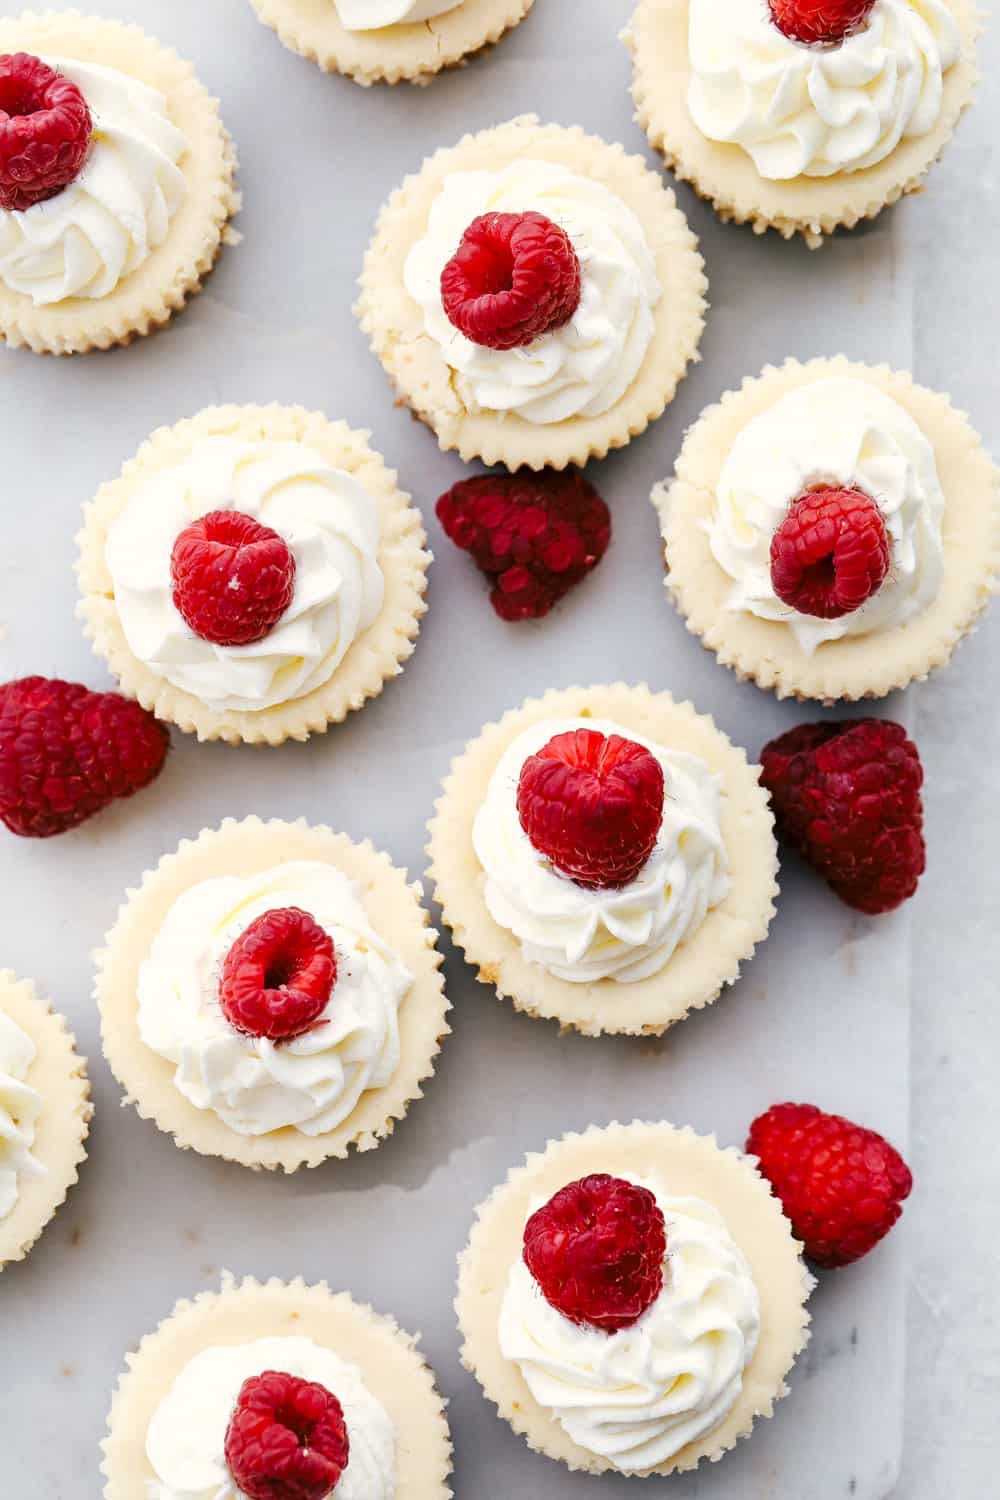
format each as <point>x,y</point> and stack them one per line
<point>312,1082</point>
<point>837,431</point>
<point>100,228</point>
<point>369,15</point>
<point>637,1397</point>
<point>624,934</point>
<point>330,523</point>
<point>185,1439</point>
<point>813,111</point>
<point>20,1106</point>
<point>582,368</point>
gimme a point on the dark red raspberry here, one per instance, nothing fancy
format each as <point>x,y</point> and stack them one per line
<point>232,578</point>
<point>593,805</point>
<point>286,1439</point>
<point>830,553</point>
<point>825,22</point>
<point>596,1250</point>
<point>847,797</point>
<point>278,976</point>
<point>66,752</point>
<point>45,131</point>
<point>534,535</point>
<point>512,278</point>
<point>839,1184</point>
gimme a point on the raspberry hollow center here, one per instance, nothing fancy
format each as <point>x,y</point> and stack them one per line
<point>512,278</point>
<point>830,554</point>
<point>278,976</point>
<point>286,1439</point>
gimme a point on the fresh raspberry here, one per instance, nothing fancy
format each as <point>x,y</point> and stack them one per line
<point>830,553</point>
<point>847,797</point>
<point>534,536</point>
<point>45,131</point>
<point>66,752</point>
<point>512,278</point>
<point>278,976</point>
<point>286,1439</point>
<point>596,1250</point>
<point>232,578</point>
<point>593,805</point>
<point>839,1184</point>
<point>825,22</point>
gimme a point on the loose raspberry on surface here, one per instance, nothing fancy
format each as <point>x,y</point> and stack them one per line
<point>232,578</point>
<point>512,278</point>
<point>840,1184</point>
<point>45,131</point>
<point>286,1439</point>
<point>66,753</point>
<point>830,554</point>
<point>596,1250</point>
<point>820,22</point>
<point>847,797</point>
<point>278,976</point>
<point>593,805</point>
<point>534,536</point>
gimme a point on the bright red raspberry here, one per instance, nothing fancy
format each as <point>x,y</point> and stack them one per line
<point>596,1250</point>
<point>512,278</point>
<point>839,1184</point>
<point>286,1439</point>
<point>66,752</point>
<point>824,22</point>
<point>830,553</point>
<point>535,536</point>
<point>847,797</point>
<point>278,976</point>
<point>593,805</point>
<point>45,131</point>
<point>232,578</point>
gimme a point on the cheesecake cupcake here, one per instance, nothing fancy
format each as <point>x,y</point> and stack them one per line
<point>253,574</point>
<point>797,117</point>
<point>277,1389</point>
<point>632,1299</point>
<point>390,41</point>
<point>534,294</point>
<point>271,994</point>
<point>605,857</point>
<point>831,530</point>
<point>117,182</point>
<point>44,1115</point>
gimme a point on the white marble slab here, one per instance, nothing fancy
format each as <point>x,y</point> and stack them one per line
<point>821,1013</point>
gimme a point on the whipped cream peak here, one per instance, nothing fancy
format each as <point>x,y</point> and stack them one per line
<point>330,523</point>
<point>586,365</point>
<point>814,111</point>
<point>20,1107</point>
<point>185,1439</point>
<point>638,1396</point>
<point>844,432</point>
<point>311,1082</point>
<point>369,15</point>
<point>624,933</point>
<point>104,225</point>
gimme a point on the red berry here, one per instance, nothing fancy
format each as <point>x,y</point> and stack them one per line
<point>512,278</point>
<point>232,578</point>
<point>593,805</point>
<point>830,553</point>
<point>596,1250</point>
<point>66,752</point>
<point>278,976</point>
<point>825,22</point>
<point>286,1439</point>
<point>535,536</point>
<point>847,797</point>
<point>839,1184</point>
<point>45,131</point>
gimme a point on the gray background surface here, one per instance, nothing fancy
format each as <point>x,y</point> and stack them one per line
<point>826,1010</point>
